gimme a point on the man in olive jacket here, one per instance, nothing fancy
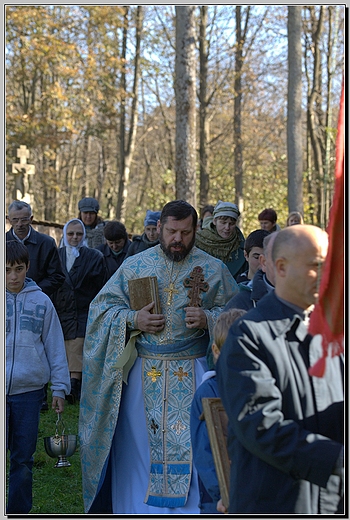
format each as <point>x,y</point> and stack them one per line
<point>285,435</point>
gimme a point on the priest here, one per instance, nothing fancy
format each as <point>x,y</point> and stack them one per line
<point>140,372</point>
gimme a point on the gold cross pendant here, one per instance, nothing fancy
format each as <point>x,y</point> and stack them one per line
<point>171,290</point>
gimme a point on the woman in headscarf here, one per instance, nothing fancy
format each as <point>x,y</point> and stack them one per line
<point>223,239</point>
<point>85,272</point>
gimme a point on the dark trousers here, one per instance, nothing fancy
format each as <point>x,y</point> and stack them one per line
<point>22,425</point>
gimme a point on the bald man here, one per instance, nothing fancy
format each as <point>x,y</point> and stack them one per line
<point>285,435</point>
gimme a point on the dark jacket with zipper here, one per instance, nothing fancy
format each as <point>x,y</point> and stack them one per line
<point>85,279</point>
<point>113,261</point>
<point>285,427</point>
<point>140,243</point>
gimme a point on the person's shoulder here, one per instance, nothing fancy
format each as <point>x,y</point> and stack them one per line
<point>208,387</point>
<point>269,309</point>
<point>103,248</point>
<point>92,252</point>
<point>240,233</point>
<point>206,257</point>
<point>245,286</point>
<point>37,296</point>
<point>43,238</point>
<point>241,300</point>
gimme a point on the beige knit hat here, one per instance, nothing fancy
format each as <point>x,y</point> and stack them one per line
<point>226,209</point>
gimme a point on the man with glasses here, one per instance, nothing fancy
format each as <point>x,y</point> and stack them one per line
<point>44,263</point>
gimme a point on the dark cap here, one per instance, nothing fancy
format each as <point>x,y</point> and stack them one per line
<point>88,204</point>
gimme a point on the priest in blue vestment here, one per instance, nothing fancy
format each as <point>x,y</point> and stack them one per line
<point>140,372</point>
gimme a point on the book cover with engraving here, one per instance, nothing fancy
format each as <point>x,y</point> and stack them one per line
<point>143,291</point>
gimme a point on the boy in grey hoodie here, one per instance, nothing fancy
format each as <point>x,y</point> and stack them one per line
<point>35,355</point>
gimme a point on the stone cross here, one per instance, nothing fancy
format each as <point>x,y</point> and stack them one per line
<point>21,171</point>
<point>197,284</point>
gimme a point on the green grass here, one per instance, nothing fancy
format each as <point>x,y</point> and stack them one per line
<point>57,491</point>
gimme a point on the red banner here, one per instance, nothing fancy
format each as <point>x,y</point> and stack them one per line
<point>327,318</point>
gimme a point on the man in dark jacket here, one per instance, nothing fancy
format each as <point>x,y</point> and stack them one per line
<point>45,266</point>
<point>44,263</point>
<point>253,248</point>
<point>116,247</point>
<point>262,283</point>
<point>285,436</point>
<point>149,237</point>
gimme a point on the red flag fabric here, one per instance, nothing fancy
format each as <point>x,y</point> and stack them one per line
<point>327,317</point>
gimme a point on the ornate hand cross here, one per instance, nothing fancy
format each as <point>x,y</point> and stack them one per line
<point>196,284</point>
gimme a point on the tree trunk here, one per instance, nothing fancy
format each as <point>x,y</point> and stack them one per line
<point>120,201</point>
<point>185,90</point>
<point>238,155</point>
<point>314,123</point>
<point>294,118</point>
<point>332,40</point>
<point>129,152</point>
<point>203,105</point>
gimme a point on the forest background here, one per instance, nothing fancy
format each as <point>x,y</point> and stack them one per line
<point>90,91</point>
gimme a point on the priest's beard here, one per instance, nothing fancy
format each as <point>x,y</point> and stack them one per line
<point>176,256</point>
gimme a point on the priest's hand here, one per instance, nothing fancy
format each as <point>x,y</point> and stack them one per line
<point>220,507</point>
<point>148,322</point>
<point>195,318</point>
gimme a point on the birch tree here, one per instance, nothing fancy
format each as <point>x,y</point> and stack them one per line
<point>126,154</point>
<point>185,89</point>
<point>294,118</point>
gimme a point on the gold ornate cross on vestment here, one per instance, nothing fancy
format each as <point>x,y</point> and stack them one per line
<point>196,284</point>
<point>181,374</point>
<point>154,373</point>
<point>171,290</point>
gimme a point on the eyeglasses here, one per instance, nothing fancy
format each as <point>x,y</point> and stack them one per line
<point>15,220</point>
<point>78,234</point>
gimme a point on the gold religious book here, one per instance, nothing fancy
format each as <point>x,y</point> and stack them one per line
<point>143,291</point>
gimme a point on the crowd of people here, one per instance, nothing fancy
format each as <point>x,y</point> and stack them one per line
<point>233,324</point>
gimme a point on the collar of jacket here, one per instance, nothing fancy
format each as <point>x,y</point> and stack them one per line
<point>280,317</point>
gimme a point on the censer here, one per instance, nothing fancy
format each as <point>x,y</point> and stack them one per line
<point>60,445</point>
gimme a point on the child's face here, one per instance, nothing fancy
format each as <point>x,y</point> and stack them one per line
<point>15,275</point>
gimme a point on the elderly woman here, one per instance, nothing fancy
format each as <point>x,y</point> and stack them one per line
<point>85,272</point>
<point>223,239</point>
